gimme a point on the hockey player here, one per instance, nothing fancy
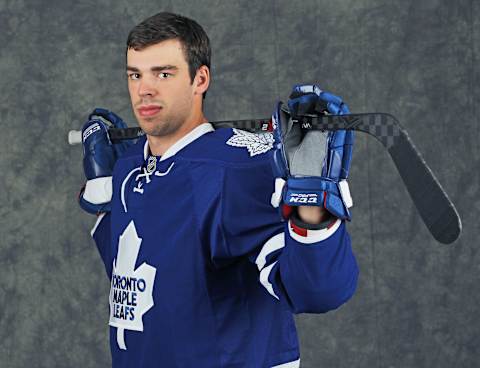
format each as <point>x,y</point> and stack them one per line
<point>205,270</point>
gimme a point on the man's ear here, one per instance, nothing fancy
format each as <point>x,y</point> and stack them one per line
<point>202,80</point>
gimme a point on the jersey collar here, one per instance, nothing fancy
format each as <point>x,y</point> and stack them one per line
<point>182,142</point>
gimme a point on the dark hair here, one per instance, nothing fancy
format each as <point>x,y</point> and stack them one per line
<point>166,26</point>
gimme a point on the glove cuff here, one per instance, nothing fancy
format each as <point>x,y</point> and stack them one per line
<point>307,236</point>
<point>96,195</point>
<point>308,191</point>
<point>98,190</point>
<point>297,222</point>
<point>316,191</point>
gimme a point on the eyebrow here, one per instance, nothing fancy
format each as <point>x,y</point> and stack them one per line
<point>154,68</point>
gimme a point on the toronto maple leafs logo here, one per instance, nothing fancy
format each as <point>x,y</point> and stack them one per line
<point>131,289</point>
<point>255,143</point>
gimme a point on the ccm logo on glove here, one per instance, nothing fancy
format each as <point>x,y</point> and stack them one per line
<point>90,130</point>
<point>303,198</point>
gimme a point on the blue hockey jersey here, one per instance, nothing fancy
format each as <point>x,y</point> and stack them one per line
<point>203,271</point>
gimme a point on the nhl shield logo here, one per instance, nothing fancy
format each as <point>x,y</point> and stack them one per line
<point>152,164</point>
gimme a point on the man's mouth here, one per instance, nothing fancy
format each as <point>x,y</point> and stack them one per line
<point>148,110</point>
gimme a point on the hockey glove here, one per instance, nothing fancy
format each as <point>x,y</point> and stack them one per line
<point>99,156</point>
<point>311,166</point>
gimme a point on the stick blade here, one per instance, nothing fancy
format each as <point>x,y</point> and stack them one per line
<point>436,209</point>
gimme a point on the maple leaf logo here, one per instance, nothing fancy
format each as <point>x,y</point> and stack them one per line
<point>131,289</point>
<point>255,143</point>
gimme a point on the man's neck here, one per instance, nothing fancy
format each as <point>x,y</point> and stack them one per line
<point>159,145</point>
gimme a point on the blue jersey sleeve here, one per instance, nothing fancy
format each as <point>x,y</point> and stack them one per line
<point>101,234</point>
<point>313,273</point>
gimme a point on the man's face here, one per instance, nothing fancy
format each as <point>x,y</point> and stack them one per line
<point>160,87</point>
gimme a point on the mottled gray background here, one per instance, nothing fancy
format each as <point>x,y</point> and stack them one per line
<point>417,304</point>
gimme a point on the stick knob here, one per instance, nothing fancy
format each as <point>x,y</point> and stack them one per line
<point>74,137</point>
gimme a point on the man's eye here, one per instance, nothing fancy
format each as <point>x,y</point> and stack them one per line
<point>133,76</point>
<point>164,75</point>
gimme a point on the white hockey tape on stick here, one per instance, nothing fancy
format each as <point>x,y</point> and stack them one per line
<point>74,137</point>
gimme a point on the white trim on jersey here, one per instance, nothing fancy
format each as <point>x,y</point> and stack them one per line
<point>122,191</point>
<point>121,338</point>
<point>99,219</point>
<point>158,173</point>
<point>314,236</point>
<point>98,190</point>
<point>274,243</point>
<point>264,279</point>
<point>292,364</point>
<point>182,142</point>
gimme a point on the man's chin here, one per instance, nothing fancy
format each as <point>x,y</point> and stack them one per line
<point>149,120</point>
<point>156,128</point>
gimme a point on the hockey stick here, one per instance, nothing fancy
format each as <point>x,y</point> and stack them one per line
<point>435,208</point>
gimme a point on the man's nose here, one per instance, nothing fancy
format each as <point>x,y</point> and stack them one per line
<point>147,87</point>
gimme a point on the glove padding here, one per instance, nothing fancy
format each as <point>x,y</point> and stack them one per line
<point>311,166</point>
<point>99,157</point>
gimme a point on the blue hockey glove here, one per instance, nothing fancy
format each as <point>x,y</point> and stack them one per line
<point>311,166</point>
<point>99,156</point>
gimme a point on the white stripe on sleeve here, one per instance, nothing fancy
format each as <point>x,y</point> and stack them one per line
<point>99,219</point>
<point>293,364</point>
<point>264,279</point>
<point>274,243</point>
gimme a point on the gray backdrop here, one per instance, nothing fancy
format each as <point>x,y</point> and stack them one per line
<point>417,303</point>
